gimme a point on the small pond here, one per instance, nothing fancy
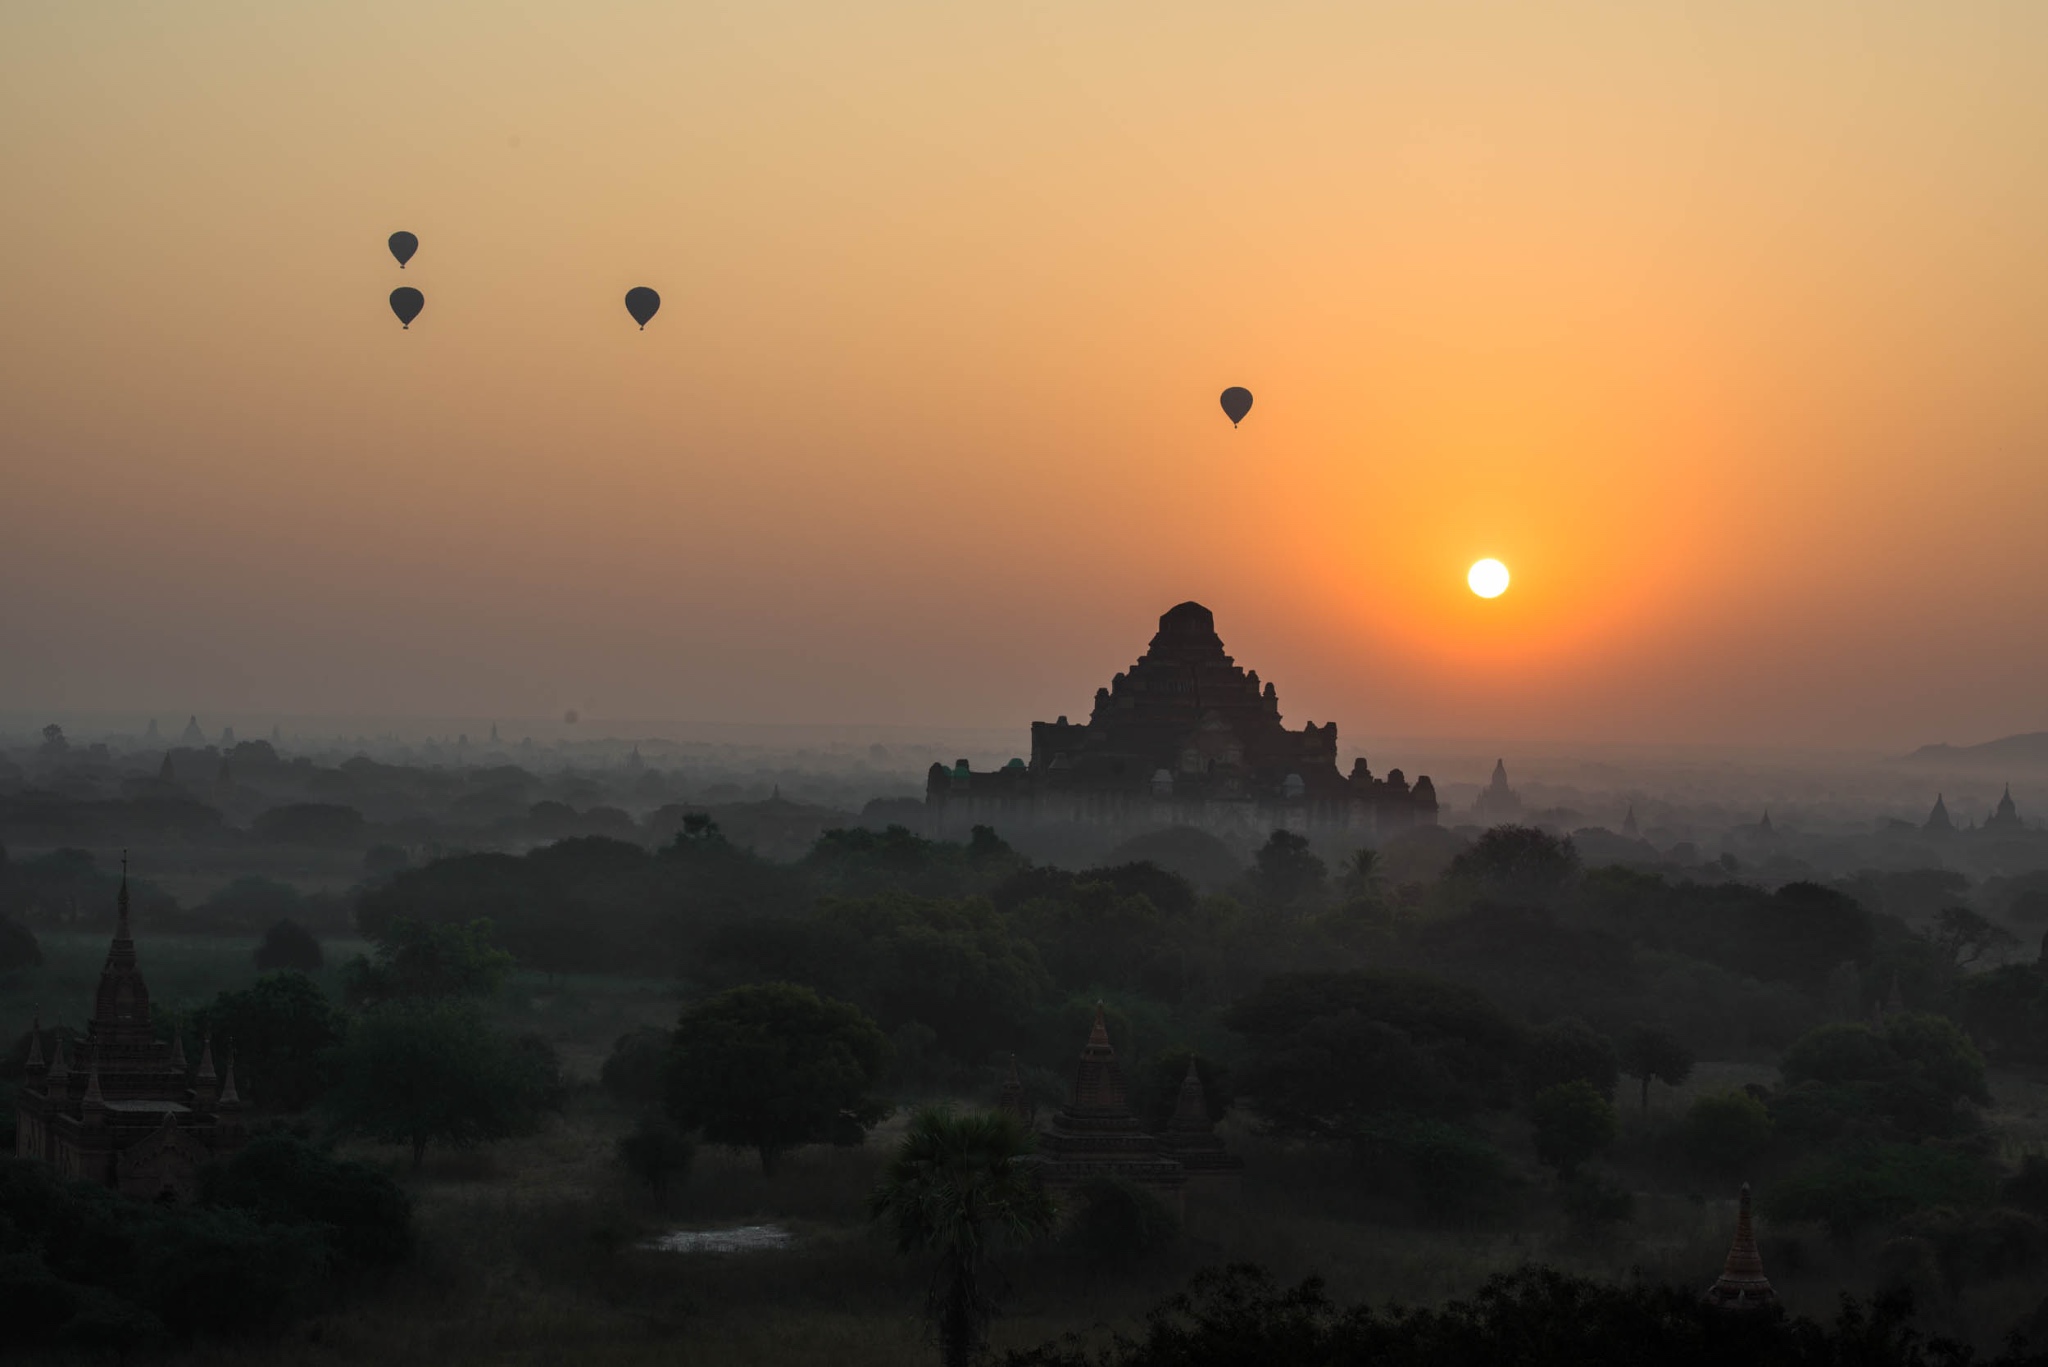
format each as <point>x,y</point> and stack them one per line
<point>740,1239</point>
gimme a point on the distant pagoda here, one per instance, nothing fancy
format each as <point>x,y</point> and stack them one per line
<point>1497,801</point>
<point>2007,815</point>
<point>1742,1284</point>
<point>1938,822</point>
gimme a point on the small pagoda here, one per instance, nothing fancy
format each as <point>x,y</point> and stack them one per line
<point>1742,1284</point>
<point>1096,1134</point>
<point>1192,1141</point>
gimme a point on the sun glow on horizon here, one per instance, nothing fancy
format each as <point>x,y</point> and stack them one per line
<point>1488,578</point>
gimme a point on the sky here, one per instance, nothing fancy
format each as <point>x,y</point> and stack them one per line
<point>1723,325</point>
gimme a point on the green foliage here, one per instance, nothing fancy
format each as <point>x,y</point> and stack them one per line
<point>1574,1122</point>
<point>956,967</point>
<point>1534,1317</point>
<point>1593,1203</point>
<point>432,1072</point>
<point>1872,1184</point>
<point>1330,1051</point>
<point>281,1179</point>
<point>1725,1130</point>
<point>1514,865</point>
<point>418,960</point>
<point>1966,936</point>
<point>309,823</point>
<point>282,1031</point>
<point>1651,1051</point>
<point>2027,1189</point>
<point>657,1152</point>
<point>773,1066</point>
<point>955,1192</point>
<point>18,947</point>
<point>1569,1050</point>
<point>1903,1078</point>
<point>1118,1222</point>
<point>252,901</point>
<point>1452,1172</point>
<point>84,1267</point>
<point>1286,872</point>
<point>2006,1013</point>
<point>632,1073</point>
<point>287,944</point>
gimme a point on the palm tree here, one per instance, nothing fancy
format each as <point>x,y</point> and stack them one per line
<point>956,1190</point>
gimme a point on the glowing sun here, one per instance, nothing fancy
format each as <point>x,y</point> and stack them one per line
<point>1488,578</point>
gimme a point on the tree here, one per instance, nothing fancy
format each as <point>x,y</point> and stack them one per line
<point>655,1152</point>
<point>281,1031</point>
<point>282,1179</point>
<point>1724,1130</point>
<point>1119,1222</point>
<point>252,901</point>
<point>956,1192</point>
<point>773,1066</point>
<point>1332,1051</point>
<point>1515,865</point>
<point>1567,1050</point>
<point>632,1073</point>
<point>287,944</point>
<point>1966,936</point>
<point>1287,871</point>
<point>1573,1123</point>
<point>421,959</point>
<point>420,1073</point>
<point>18,947</point>
<point>1651,1051</point>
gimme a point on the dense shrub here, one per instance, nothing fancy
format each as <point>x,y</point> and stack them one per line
<point>1117,1221</point>
<point>18,947</point>
<point>631,1075</point>
<point>281,1179</point>
<point>287,944</point>
<point>1573,1123</point>
<point>1725,1130</point>
<point>1874,1184</point>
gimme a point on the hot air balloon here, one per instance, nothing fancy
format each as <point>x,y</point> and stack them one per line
<point>407,302</point>
<point>1237,401</point>
<point>403,245</point>
<point>642,303</point>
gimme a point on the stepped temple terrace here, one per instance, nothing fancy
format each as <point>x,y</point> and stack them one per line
<point>1184,737</point>
<point>124,1113</point>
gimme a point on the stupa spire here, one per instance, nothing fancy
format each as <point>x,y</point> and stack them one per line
<point>1742,1284</point>
<point>35,1042</point>
<point>58,1067</point>
<point>1191,1107</point>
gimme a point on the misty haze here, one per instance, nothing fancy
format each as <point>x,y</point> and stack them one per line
<point>1154,687</point>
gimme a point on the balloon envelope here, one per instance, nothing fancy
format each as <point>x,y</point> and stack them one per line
<point>403,245</point>
<point>642,303</point>
<point>1237,401</point>
<point>407,302</point>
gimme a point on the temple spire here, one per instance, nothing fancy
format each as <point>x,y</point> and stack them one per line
<point>94,1100</point>
<point>58,1067</point>
<point>1742,1284</point>
<point>229,1099</point>
<point>1191,1107</point>
<point>35,1042</point>
<point>121,931</point>
<point>206,1073</point>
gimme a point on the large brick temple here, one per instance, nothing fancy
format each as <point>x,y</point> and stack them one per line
<point>1184,737</point>
<point>124,1113</point>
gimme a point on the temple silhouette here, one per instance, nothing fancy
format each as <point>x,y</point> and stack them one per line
<point>124,1114</point>
<point>1184,737</point>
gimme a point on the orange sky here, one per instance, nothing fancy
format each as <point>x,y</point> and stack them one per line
<point>1724,326</point>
